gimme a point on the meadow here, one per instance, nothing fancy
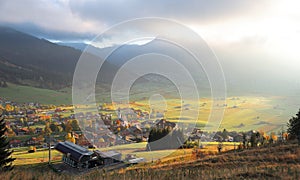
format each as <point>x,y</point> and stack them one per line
<point>274,161</point>
<point>26,94</point>
<point>41,155</point>
<point>241,113</point>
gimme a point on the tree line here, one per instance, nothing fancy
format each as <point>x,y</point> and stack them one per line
<point>166,138</point>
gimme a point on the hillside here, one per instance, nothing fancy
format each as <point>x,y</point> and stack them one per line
<point>25,94</point>
<point>28,60</point>
<point>274,162</point>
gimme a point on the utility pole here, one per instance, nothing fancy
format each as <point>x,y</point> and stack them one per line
<point>49,162</point>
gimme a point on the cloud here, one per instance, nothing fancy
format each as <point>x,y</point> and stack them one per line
<point>49,34</point>
<point>94,16</point>
<point>188,11</point>
<point>221,23</point>
<point>50,15</point>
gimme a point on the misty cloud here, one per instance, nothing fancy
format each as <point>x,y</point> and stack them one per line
<point>93,16</point>
<point>187,11</point>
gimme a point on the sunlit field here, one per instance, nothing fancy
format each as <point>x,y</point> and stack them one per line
<point>41,155</point>
<point>241,113</point>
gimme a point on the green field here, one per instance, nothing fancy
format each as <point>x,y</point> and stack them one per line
<point>241,113</point>
<point>40,156</point>
<point>27,94</point>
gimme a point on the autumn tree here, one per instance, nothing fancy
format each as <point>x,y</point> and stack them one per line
<point>68,127</point>
<point>47,129</point>
<point>273,138</point>
<point>294,127</point>
<point>5,153</point>
<point>75,125</point>
<point>69,137</point>
<point>31,130</point>
<point>10,132</point>
<point>263,137</point>
<point>54,127</point>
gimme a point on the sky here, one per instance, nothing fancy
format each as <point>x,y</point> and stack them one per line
<point>256,36</point>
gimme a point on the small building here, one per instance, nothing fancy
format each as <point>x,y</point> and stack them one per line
<point>22,131</point>
<point>74,155</point>
<point>163,123</point>
<point>16,143</point>
<point>38,130</point>
<point>108,157</point>
<point>79,157</point>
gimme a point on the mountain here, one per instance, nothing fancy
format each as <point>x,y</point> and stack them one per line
<point>119,56</point>
<point>28,60</point>
<point>75,45</point>
<point>243,76</point>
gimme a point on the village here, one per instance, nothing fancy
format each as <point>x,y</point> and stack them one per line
<point>37,126</point>
<point>28,125</point>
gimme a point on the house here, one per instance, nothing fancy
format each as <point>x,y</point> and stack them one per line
<point>79,157</point>
<point>121,122</point>
<point>15,143</point>
<point>33,141</point>
<point>22,131</point>
<point>161,124</point>
<point>136,130</point>
<point>83,141</point>
<point>135,122</point>
<point>147,123</point>
<point>195,137</point>
<point>132,133</point>
<point>38,130</point>
<point>74,155</point>
<point>108,157</point>
<point>159,115</point>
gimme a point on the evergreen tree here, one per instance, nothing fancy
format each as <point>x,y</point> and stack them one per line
<point>224,134</point>
<point>294,127</point>
<point>163,135</point>
<point>245,142</point>
<point>254,139</point>
<point>5,153</point>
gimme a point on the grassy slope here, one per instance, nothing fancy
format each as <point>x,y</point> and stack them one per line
<point>274,162</point>
<point>22,94</point>
<point>251,112</point>
<point>25,158</point>
<point>139,150</point>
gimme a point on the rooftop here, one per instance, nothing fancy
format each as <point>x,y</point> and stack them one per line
<point>76,152</point>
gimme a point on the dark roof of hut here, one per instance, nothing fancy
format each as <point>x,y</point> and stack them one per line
<point>107,154</point>
<point>74,151</point>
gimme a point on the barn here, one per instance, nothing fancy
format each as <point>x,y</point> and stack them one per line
<point>74,155</point>
<point>108,157</point>
<point>80,157</point>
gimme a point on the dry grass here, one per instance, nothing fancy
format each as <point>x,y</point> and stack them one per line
<point>273,162</point>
